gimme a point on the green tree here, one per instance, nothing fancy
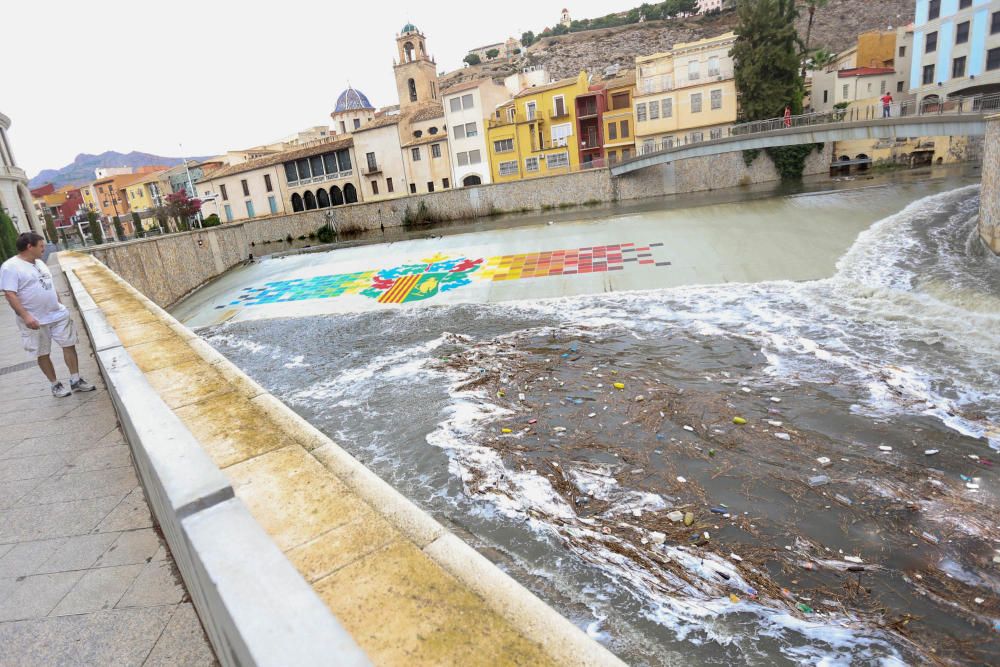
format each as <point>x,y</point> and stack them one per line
<point>137,223</point>
<point>527,38</point>
<point>211,221</point>
<point>8,237</point>
<point>119,231</point>
<point>812,6</point>
<point>50,228</point>
<point>766,56</point>
<point>162,216</point>
<point>96,230</point>
<point>492,53</point>
<point>472,59</point>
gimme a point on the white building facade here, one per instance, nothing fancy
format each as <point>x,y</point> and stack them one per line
<point>15,198</point>
<point>467,108</point>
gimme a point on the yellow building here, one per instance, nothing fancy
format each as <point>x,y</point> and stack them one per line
<point>685,95</point>
<point>89,194</point>
<point>535,133</point>
<point>146,193</point>
<point>619,142</point>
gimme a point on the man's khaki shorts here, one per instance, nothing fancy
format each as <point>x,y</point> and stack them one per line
<point>38,342</point>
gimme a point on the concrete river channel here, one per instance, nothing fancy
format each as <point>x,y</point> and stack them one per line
<point>747,427</point>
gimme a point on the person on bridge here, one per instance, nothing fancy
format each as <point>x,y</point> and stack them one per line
<point>886,104</point>
<point>788,116</point>
<point>41,317</point>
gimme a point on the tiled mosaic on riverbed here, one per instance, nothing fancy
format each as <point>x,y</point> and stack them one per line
<point>441,273</point>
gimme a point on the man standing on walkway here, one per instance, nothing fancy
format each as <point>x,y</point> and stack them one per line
<point>886,104</point>
<point>41,317</point>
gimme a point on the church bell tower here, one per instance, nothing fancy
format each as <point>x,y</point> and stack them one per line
<point>415,70</point>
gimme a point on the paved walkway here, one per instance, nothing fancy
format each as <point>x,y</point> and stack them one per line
<point>85,578</point>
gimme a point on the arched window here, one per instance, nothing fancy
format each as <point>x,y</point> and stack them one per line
<point>472,179</point>
<point>322,199</point>
<point>310,200</point>
<point>336,196</point>
<point>350,194</point>
<point>297,203</point>
<point>412,87</point>
<point>408,51</point>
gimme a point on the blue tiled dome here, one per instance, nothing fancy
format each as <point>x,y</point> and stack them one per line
<point>352,99</point>
<point>409,27</point>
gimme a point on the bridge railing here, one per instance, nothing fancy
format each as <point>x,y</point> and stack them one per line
<point>926,107</point>
<point>973,104</point>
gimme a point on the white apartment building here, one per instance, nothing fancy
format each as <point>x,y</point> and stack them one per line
<point>15,198</point>
<point>467,108</point>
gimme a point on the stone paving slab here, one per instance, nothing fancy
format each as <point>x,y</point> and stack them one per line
<point>85,578</point>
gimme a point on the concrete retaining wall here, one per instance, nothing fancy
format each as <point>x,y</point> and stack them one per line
<point>989,197</point>
<point>255,607</point>
<point>169,267</point>
<point>263,513</point>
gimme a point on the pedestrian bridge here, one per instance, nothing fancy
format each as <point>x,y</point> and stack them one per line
<point>956,117</point>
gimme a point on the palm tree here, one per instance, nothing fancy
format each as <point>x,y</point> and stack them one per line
<point>821,58</point>
<point>813,5</point>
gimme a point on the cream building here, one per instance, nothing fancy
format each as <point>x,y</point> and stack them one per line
<point>317,176</point>
<point>685,95</point>
<point>467,110</point>
<point>380,159</point>
<point>425,150</point>
<point>15,198</point>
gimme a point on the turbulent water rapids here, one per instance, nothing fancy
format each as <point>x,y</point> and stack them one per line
<point>503,420</point>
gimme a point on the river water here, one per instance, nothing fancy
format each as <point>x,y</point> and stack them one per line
<point>775,443</point>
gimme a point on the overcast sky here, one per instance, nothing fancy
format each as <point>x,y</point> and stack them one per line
<point>212,75</point>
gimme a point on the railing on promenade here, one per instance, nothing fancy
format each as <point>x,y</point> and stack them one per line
<point>955,106</point>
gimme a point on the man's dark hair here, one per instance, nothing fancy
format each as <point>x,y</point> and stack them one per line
<point>26,239</point>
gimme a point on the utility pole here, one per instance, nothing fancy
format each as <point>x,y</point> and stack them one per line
<point>193,192</point>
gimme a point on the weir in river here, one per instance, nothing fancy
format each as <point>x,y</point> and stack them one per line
<point>761,431</point>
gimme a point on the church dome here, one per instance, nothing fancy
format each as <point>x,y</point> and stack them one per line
<point>409,27</point>
<point>351,100</point>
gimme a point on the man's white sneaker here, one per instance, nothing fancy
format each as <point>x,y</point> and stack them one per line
<point>81,385</point>
<point>59,390</point>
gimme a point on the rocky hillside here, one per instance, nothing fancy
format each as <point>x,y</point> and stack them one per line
<point>835,28</point>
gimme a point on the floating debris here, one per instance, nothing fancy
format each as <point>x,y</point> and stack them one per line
<point>619,385</point>
<point>775,399</point>
<point>885,448</point>
<point>824,461</point>
<point>675,516</point>
<point>819,480</point>
<point>782,436</point>
<point>931,452</point>
<point>739,420</point>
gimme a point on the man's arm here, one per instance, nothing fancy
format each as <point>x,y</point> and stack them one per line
<point>15,303</point>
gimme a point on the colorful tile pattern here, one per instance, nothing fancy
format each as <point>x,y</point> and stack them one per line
<point>441,273</point>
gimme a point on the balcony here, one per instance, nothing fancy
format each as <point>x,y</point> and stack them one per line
<point>549,144</point>
<point>559,114</point>
<point>372,169</point>
<point>585,111</point>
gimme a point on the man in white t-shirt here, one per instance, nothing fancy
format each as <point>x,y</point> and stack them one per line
<point>41,317</point>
